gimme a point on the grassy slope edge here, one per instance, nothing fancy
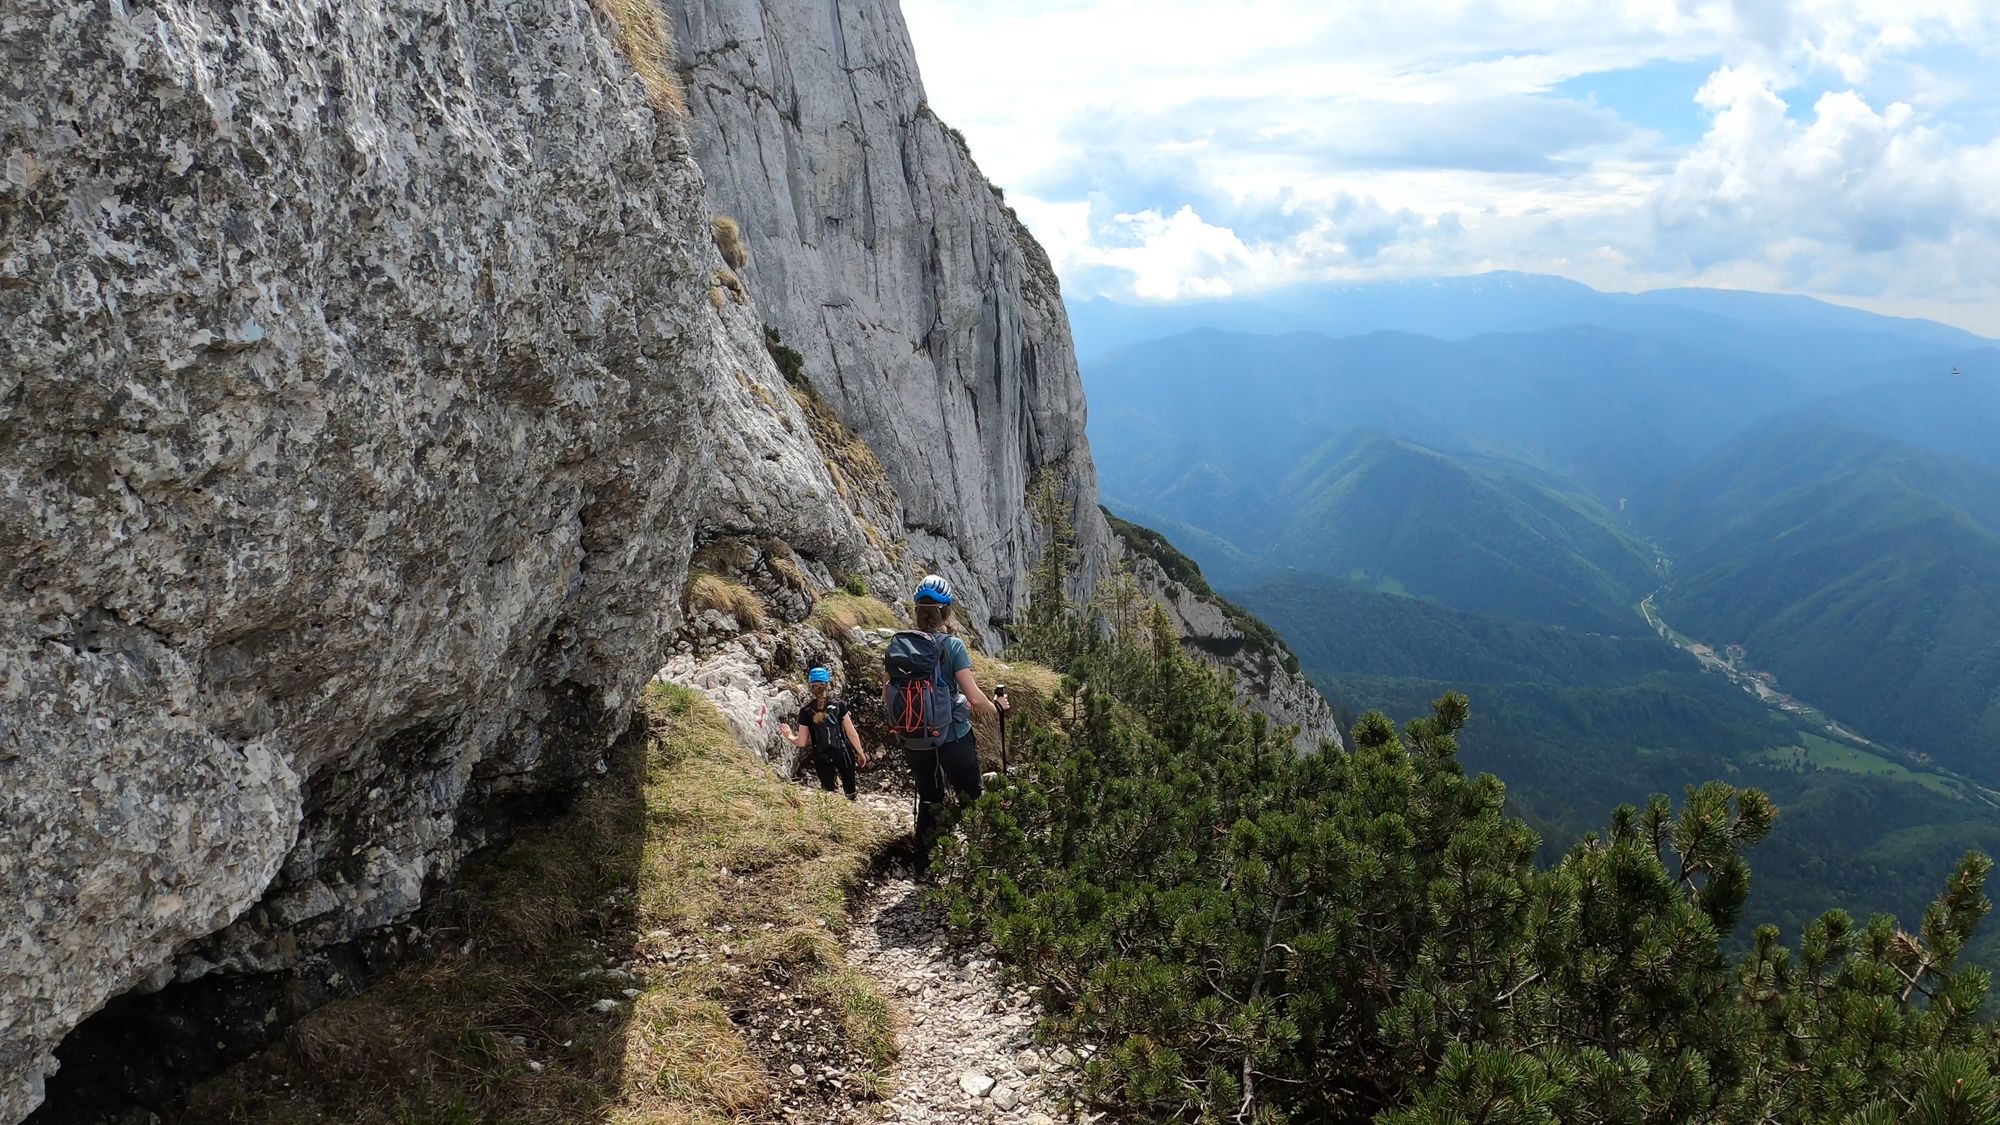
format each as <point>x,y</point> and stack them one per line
<point>689,874</point>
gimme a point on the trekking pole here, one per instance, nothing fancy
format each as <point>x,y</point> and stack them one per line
<point>1000,693</point>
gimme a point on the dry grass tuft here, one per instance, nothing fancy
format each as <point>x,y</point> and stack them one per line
<point>646,36</point>
<point>1034,690</point>
<point>837,613</point>
<point>724,595</point>
<point>728,553</point>
<point>688,833</point>
<point>728,280</point>
<point>729,241</point>
<point>784,565</point>
<point>716,299</point>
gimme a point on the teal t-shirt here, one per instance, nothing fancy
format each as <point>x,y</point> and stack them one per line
<point>956,659</point>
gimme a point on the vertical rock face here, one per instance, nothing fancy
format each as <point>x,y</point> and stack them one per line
<point>927,315</point>
<point>351,445</point>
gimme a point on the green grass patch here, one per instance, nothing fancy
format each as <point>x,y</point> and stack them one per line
<point>1817,752</point>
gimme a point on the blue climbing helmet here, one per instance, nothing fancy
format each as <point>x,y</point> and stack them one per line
<point>819,676</point>
<point>934,589</point>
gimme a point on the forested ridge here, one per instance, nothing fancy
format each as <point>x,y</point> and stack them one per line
<point>1578,723</point>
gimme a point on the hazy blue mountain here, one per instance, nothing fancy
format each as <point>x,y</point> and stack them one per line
<point>1794,334</point>
<point>1101,326</point>
<point>1225,416</point>
<point>1805,312</point>
<point>1391,512</point>
<point>1950,413</point>
<point>1862,571</point>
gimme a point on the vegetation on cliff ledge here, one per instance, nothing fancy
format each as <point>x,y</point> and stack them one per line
<point>1250,934</point>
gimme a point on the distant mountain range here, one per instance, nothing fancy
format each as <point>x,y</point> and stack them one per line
<point>1787,331</point>
<point>1471,484</point>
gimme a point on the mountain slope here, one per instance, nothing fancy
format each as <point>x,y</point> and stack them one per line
<point>1264,674</point>
<point>1940,411</point>
<point>1792,310</point>
<point>1391,511</point>
<point>1348,629</point>
<point>1863,572</point>
<point>1575,723</point>
<point>1611,411</point>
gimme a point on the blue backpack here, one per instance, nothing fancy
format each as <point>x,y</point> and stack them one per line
<point>919,698</point>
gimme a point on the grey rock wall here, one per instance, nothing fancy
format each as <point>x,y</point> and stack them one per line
<point>927,315</point>
<point>351,448</point>
<point>1265,673</point>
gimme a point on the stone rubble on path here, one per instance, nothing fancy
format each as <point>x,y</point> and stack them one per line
<point>967,1047</point>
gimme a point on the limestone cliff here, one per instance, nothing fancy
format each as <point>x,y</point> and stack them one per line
<point>1266,674</point>
<point>926,314</point>
<point>352,395</point>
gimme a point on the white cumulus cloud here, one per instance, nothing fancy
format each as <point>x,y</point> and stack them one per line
<point>1171,148</point>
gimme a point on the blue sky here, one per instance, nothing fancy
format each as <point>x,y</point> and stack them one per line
<point>1162,149</point>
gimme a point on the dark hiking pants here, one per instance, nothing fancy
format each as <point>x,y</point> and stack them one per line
<point>955,764</point>
<point>828,762</point>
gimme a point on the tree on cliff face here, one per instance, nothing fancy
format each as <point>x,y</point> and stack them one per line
<point>1256,935</point>
<point>1050,628</point>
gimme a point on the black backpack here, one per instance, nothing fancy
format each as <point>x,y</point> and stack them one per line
<point>919,698</point>
<point>827,734</point>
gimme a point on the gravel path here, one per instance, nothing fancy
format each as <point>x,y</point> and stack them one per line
<point>966,1042</point>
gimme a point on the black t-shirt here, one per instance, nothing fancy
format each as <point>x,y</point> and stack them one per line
<point>823,720</point>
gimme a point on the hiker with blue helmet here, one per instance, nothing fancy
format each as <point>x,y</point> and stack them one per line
<point>828,729</point>
<point>931,698</point>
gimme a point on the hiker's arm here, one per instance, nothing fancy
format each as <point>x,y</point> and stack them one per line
<point>853,737</point>
<point>980,704</point>
<point>797,736</point>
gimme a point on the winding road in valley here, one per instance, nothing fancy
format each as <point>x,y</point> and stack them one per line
<point>1764,686</point>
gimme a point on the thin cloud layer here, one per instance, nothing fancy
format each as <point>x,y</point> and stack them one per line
<point>1178,149</point>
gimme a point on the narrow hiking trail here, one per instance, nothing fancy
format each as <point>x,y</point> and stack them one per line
<point>966,1050</point>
